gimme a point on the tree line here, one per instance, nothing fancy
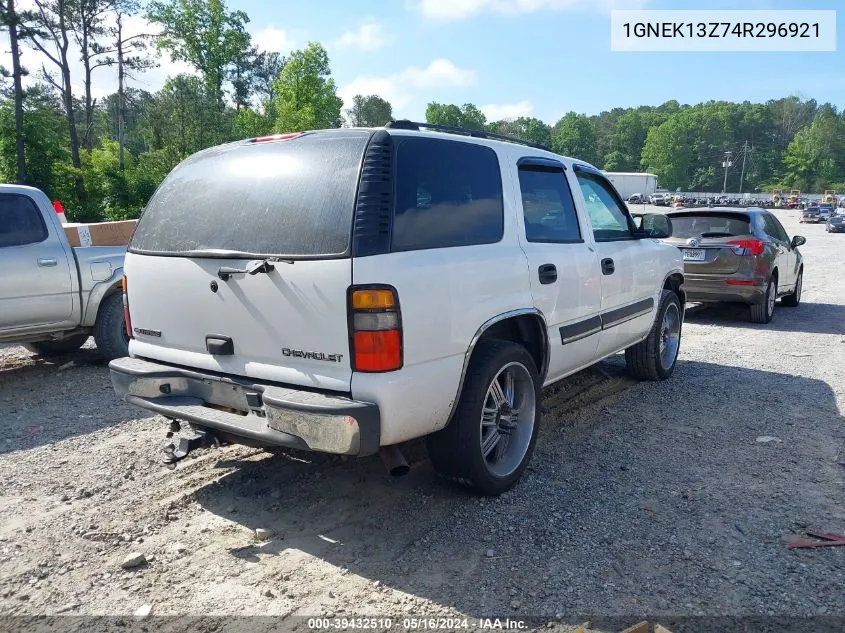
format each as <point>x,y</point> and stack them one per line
<point>104,157</point>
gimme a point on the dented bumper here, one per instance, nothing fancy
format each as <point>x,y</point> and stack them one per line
<point>248,412</point>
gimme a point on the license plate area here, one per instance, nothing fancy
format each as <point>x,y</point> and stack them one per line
<point>693,254</point>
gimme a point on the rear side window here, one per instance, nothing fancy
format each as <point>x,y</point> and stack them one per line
<point>547,205</point>
<point>448,193</point>
<point>710,225</point>
<point>293,197</point>
<point>20,221</point>
<point>774,229</point>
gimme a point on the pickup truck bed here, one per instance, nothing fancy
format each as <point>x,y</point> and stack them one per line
<point>52,296</point>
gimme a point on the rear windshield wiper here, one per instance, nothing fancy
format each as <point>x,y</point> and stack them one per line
<point>265,266</point>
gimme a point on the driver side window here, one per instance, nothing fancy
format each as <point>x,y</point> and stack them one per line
<point>608,216</point>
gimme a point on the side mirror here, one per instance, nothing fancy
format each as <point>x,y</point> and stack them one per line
<point>798,240</point>
<point>654,226</point>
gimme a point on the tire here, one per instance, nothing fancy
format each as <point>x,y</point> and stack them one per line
<point>484,420</point>
<point>764,311</point>
<point>57,348</point>
<point>656,356</point>
<point>792,300</point>
<point>110,328</point>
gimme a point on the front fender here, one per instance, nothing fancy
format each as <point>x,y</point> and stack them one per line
<point>99,292</point>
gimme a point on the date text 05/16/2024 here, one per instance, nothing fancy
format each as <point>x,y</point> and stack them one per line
<point>416,624</point>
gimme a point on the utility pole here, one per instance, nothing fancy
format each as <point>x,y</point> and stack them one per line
<point>726,163</point>
<point>742,173</point>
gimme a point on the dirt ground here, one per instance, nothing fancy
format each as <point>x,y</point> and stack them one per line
<point>653,500</point>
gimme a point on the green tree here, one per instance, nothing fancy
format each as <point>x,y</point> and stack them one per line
<point>371,111</point>
<point>573,135</point>
<point>528,129</point>
<point>467,116</point>
<point>815,159</point>
<point>306,96</point>
<point>205,34</point>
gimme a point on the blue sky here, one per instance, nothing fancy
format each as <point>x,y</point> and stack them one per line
<point>524,57</point>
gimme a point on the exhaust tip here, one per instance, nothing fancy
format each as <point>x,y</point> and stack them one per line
<point>394,461</point>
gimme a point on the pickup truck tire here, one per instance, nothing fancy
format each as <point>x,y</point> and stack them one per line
<point>57,348</point>
<point>491,437</point>
<point>110,329</point>
<point>655,357</point>
<point>762,312</point>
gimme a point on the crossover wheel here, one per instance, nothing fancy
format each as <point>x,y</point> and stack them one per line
<point>655,357</point>
<point>762,312</point>
<point>792,300</point>
<point>491,437</point>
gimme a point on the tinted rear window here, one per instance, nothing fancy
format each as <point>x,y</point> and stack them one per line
<point>448,193</point>
<point>294,197</point>
<point>710,225</point>
<point>20,221</point>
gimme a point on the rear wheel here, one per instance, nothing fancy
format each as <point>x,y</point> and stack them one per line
<point>762,312</point>
<point>110,328</point>
<point>491,437</point>
<point>57,348</point>
<point>655,357</point>
<point>792,300</point>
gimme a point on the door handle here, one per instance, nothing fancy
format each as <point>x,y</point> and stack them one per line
<point>607,266</point>
<point>547,273</point>
<point>47,261</point>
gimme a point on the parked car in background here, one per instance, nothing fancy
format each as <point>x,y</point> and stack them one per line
<point>407,296</point>
<point>810,215</point>
<point>658,200</point>
<point>836,223</point>
<point>825,211</point>
<point>53,297</point>
<point>636,198</point>
<point>738,255</point>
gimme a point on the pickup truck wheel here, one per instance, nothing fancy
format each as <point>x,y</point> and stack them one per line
<point>491,437</point>
<point>110,328</point>
<point>655,357</point>
<point>57,348</point>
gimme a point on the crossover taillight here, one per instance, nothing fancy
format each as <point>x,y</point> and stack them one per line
<point>747,247</point>
<point>126,319</point>
<point>375,328</point>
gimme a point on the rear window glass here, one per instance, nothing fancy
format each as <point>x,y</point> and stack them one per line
<point>20,221</point>
<point>710,225</point>
<point>448,193</point>
<point>294,197</point>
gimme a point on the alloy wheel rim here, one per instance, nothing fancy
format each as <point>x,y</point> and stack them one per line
<point>670,336</point>
<point>507,419</point>
<point>771,296</point>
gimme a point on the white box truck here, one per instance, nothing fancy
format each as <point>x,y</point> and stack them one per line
<point>629,183</point>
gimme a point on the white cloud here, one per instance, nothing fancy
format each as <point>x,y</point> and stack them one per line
<point>369,36</point>
<point>401,88</point>
<point>504,111</point>
<point>273,40</point>
<point>462,9</point>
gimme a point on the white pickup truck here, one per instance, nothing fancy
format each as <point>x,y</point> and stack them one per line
<point>54,296</point>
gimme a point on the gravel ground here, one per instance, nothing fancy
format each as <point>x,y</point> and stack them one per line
<point>654,500</point>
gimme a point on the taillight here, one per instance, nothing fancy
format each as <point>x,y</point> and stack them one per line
<point>375,328</point>
<point>747,247</point>
<point>126,320</point>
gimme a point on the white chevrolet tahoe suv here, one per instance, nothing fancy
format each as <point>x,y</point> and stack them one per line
<point>344,291</point>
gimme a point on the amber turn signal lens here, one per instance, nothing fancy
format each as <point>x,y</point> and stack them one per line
<point>372,299</point>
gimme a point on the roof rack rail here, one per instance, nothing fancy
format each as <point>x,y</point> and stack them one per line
<point>405,124</point>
